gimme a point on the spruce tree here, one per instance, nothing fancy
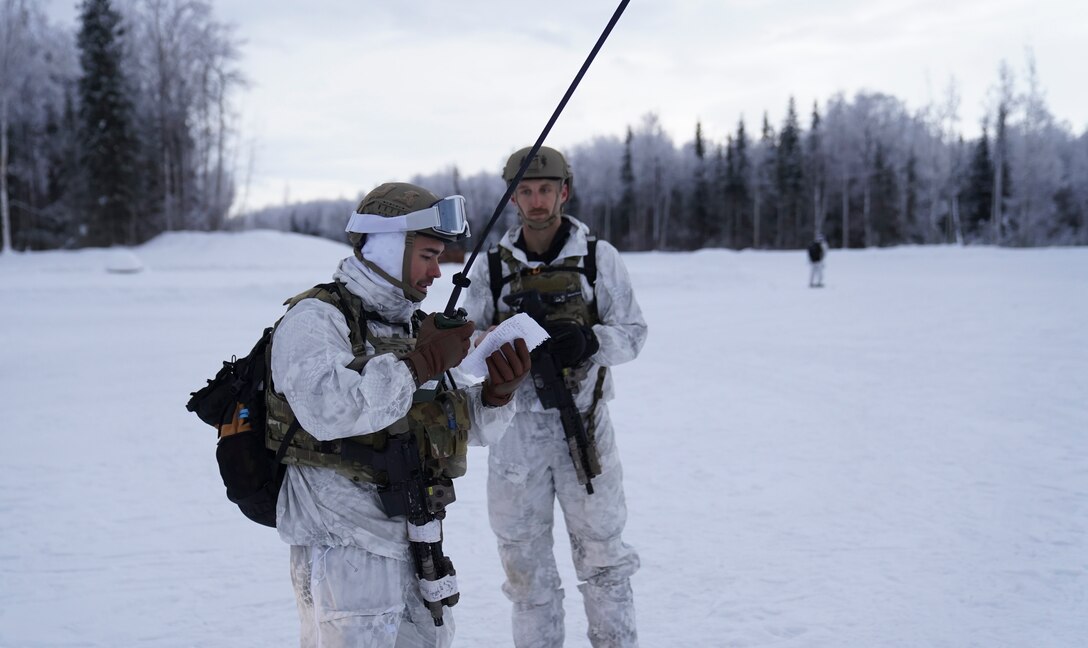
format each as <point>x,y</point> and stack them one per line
<point>910,200</point>
<point>789,180</point>
<point>729,205</point>
<point>108,147</point>
<point>979,192</point>
<point>1002,183</point>
<point>704,230</point>
<point>763,184</point>
<point>814,175</point>
<point>737,186</point>
<point>885,209</point>
<point>626,209</point>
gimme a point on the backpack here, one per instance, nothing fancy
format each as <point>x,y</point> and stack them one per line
<point>233,402</point>
<point>815,252</point>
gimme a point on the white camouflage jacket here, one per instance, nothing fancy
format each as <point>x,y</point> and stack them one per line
<point>621,331</point>
<point>310,354</point>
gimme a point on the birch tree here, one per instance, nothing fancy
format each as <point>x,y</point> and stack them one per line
<point>1038,167</point>
<point>815,168</point>
<point>187,66</point>
<point>597,170</point>
<point>1000,152</point>
<point>656,172</point>
<point>841,146</point>
<point>14,42</point>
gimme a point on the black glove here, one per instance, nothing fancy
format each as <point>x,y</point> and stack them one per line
<point>571,343</point>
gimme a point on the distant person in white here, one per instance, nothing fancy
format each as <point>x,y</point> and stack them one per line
<point>593,326</point>
<point>351,568</point>
<point>817,253</point>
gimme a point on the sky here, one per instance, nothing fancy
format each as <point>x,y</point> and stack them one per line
<point>896,460</point>
<point>346,94</point>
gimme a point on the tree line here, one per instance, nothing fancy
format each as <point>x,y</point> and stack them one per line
<point>126,130</point>
<point>120,131</point>
<point>862,171</point>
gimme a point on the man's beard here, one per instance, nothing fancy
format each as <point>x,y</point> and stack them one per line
<point>541,225</point>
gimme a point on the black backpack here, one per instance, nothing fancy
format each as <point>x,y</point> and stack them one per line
<point>234,404</point>
<point>233,401</point>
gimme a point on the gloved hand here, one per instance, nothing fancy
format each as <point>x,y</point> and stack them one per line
<point>571,343</point>
<point>437,349</point>
<point>506,369</point>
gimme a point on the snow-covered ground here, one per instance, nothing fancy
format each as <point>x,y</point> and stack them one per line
<point>898,459</point>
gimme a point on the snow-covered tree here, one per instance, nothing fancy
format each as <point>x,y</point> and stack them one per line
<point>704,228</point>
<point>186,66</point>
<point>14,25</point>
<point>598,182</point>
<point>738,188</point>
<point>815,170</point>
<point>1036,166</point>
<point>765,163</point>
<point>37,66</point>
<point>658,171</point>
<point>108,145</point>
<point>979,187</point>
<point>789,182</point>
<point>1001,188</point>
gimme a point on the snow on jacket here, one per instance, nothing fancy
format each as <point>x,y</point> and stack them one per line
<point>310,353</point>
<point>621,331</point>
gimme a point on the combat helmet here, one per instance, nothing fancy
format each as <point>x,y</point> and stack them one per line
<point>405,207</point>
<point>548,163</point>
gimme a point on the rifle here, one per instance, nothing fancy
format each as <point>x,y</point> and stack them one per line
<point>422,498</point>
<point>554,386</point>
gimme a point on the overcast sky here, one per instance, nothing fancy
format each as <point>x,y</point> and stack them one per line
<point>346,94</point>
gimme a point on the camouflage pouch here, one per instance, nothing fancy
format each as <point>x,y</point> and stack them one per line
<point>442,427</point>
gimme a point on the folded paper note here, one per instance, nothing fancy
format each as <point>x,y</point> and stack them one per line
<point>518,326</point>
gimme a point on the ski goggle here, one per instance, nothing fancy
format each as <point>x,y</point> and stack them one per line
<point>447,216</point>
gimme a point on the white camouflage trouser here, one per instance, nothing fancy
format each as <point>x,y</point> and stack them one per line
<point>527,470</point>
<point>816,276</point>
<point>349,597</point>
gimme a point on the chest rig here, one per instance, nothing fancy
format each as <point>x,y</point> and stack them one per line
<point>559,285</point>
<point>438,418</point>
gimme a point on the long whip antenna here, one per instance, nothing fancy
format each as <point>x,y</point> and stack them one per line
<point>460,280</point>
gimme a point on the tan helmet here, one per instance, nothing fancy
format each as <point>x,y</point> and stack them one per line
<point>548,163</point>
<point>395,199</point>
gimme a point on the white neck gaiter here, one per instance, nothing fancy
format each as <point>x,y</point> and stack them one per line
<point>386,250</point>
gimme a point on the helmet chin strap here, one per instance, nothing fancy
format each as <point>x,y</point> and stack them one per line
<point>544,224</point>
<point>410,291</point>
<point>539,225</point>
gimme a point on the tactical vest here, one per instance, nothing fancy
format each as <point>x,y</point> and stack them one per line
<point>438,417</point>
<point>559,285</point>
<point>560,288</point>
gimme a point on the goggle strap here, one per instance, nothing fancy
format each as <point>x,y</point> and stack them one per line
<point>417,220</point>
<point>375,224</point>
